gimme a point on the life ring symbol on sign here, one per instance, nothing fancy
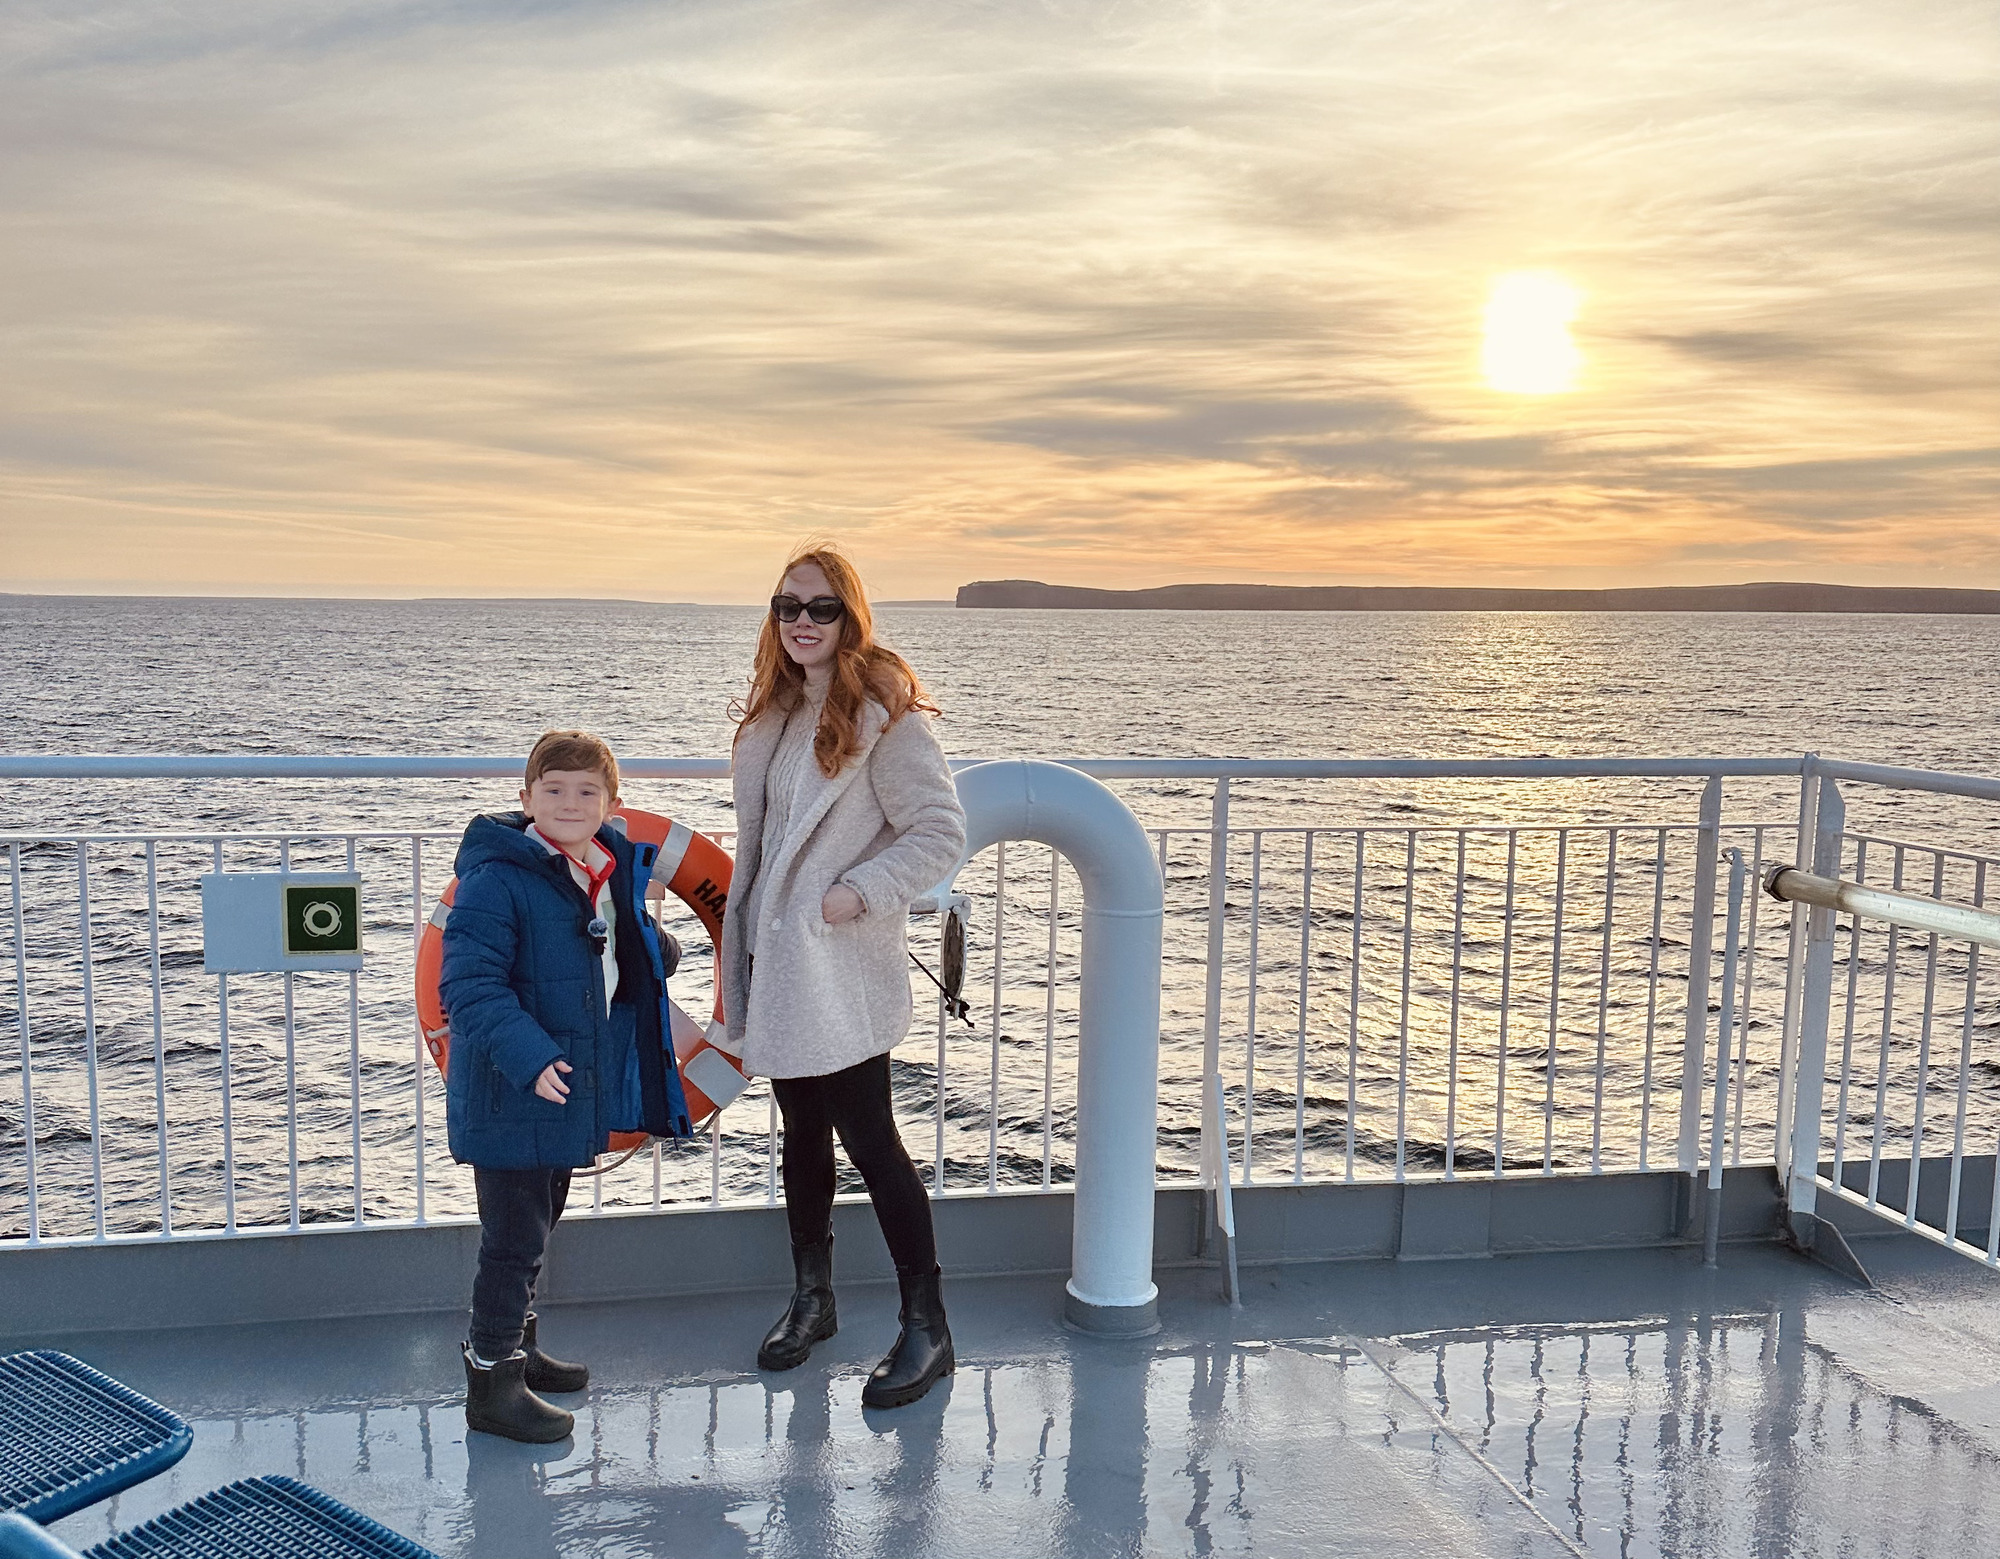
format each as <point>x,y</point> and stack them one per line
<point>320,918</point>
<point>696,870</point>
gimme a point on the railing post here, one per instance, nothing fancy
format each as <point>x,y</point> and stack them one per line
<point>1788,1040</point>
<point>1800,1146</point>
<point>1218,1207</point>
<point>1725,1028</point>
<point>1701,949</point>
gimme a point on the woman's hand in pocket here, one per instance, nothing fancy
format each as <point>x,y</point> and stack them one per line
<point>841,905</point>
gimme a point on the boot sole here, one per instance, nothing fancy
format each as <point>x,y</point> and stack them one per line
<point>777,1364</point>
<point>903,1398</point>
<point>506,1432</point>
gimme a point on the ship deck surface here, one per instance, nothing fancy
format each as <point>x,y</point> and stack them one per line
<point>1625,1402</point>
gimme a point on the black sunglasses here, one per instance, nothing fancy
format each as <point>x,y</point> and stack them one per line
<point>821,608</point>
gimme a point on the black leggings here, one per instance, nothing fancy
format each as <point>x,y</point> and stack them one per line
<point>854,1102</point>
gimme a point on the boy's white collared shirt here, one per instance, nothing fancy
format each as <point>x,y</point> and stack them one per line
<point>605,907</point>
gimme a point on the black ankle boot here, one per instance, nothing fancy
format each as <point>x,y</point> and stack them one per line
<point>498,1401</point>
<point>811,1317</point>
<point>922,1355</point>
<point>544,1373</point>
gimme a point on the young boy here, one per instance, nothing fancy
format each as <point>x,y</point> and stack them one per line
<point>554,983</point>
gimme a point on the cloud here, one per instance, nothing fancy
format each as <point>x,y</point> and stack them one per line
<point>360,295</point>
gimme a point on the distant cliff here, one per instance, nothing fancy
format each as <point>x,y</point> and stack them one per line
<point>1425,598</point>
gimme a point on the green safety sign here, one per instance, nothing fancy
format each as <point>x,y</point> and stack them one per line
<point>322,918</point>
<point>284,921</point>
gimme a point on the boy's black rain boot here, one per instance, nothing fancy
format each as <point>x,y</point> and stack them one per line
<point>922,1355</point>
<point>811,1317</point>
<point>544,1373</point>
<point>498,1401</point>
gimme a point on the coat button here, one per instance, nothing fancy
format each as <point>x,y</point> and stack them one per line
<point>777,924</point>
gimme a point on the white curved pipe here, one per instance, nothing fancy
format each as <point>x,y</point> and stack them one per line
<point>1118,1064</point>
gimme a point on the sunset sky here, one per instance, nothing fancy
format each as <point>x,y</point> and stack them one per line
<point>352,297</point>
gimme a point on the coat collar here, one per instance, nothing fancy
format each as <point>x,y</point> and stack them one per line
<point>817,792</point>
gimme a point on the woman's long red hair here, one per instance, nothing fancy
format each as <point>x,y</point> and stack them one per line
<point>862,668</point>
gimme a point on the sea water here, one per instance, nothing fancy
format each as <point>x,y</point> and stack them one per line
<point>1313,1069</point>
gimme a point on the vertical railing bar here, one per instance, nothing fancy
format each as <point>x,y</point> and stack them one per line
<point>1882,1051</point>
<point>1965,1062</point>
<point>714,1161</point>
<point>291,1078</point>
<point>354,1063</point>
<point>1847,1035</point>
<point>1700,972</point>
<point>1451,1056</point>
<point>1506,1003</point>
<point>1250,1019</point>
<point>1924,1057</point>
<point>228,1090</point>
<point>1725,1025</point>
<point>1305,979</point>
<point>993,1076</point>
<point>1403,1015</point>
<point>90,1035</point>
<point>1218,1203</point>
<point>1354,992</point>
<point>159,1035</point>
<point>1603,999</point>
<point>657,1168</point>
<point>1652,1001</point>
<point>422,1058</point>
<point>772,1121</point>
<point>1555,1002</point>
<point>27,1048</point>
<point>937,1162</point>
<point>1749,982</point>
<point>1049,1019</point>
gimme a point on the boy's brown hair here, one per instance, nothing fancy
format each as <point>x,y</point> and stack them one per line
<point>572,750</point>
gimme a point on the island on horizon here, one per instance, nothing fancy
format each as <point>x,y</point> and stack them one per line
<point>1757,597</point>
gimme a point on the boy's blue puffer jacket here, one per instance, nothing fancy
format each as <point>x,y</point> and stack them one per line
<point>523,986</point>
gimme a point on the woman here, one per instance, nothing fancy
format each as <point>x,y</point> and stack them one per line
<point>845,812</point>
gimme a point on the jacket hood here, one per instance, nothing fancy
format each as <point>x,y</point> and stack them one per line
<point>503,836</point>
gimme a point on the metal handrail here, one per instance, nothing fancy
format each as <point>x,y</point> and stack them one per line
<point>1955,922</point>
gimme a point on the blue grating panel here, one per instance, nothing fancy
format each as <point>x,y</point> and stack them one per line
<point>263,1518</point>
<point>70,1436</point>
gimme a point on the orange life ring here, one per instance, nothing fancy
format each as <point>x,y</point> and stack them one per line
<point>696,870</point>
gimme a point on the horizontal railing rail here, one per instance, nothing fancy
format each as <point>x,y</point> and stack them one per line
<point>1375,1000</point>
<point>447,766</point>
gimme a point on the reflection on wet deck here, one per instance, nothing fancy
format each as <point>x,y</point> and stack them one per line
<point>1728,1435</point>
<point>1621,1403</point>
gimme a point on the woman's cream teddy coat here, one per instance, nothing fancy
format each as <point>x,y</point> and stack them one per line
<point>889,826</point>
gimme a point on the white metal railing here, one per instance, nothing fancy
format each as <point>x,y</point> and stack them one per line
<point>1370,1001</point>
<point>1897,1085</point>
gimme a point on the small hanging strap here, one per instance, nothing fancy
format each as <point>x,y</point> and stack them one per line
<point>958,1007</point>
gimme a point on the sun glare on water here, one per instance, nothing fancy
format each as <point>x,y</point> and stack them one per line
<point>1528,350</point>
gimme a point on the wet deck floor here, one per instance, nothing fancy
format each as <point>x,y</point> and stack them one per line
<point>1623,1403</point>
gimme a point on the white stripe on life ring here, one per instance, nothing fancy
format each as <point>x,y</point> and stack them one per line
<point>718,1036</point>
<point>441,914</point>
<point>673,850</point>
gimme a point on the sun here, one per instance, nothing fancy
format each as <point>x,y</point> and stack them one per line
<point>1528,350</point>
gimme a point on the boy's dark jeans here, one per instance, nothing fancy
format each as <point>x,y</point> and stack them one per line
<point>517,1209</point>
